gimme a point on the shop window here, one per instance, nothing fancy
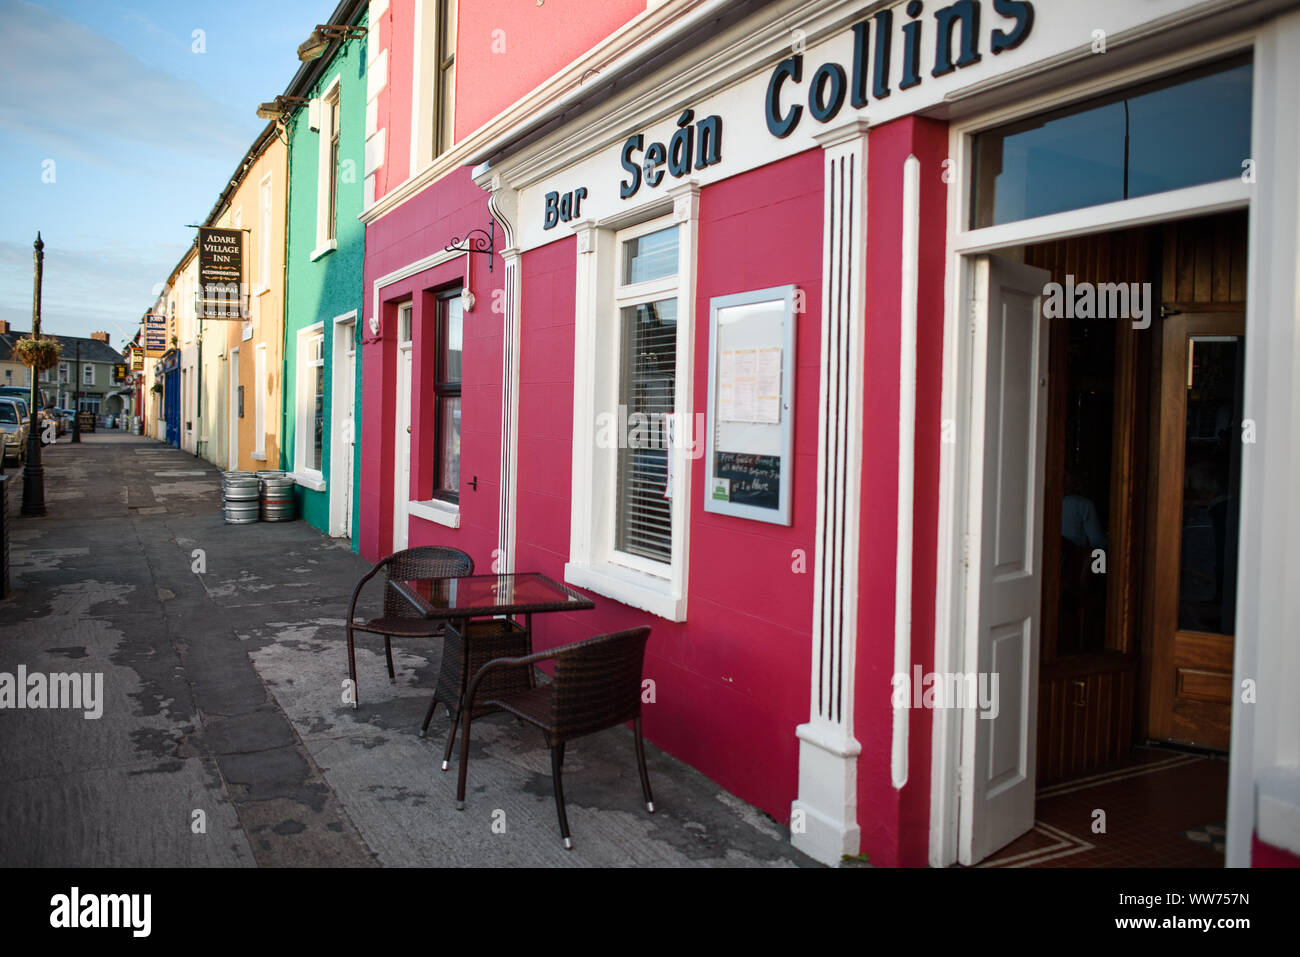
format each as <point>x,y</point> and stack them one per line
<point>1184,130</point>
<point>309,438</point>
<point>631,463</point>
<point>448,342</point>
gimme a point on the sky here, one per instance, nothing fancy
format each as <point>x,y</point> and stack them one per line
<point>119,125</point>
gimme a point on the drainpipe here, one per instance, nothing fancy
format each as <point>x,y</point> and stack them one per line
<point>284,288</point>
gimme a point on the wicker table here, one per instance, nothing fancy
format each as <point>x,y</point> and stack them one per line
<point>481,612</point>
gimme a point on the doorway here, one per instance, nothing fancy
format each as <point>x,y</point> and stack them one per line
<point>343,428</point>
<point>1113,429</point>
<point>402,429</point>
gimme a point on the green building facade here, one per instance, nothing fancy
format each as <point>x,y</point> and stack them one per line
<point>324,284</point>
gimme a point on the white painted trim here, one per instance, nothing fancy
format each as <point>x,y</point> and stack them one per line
<point>260,373</point>
<point>911,252</point>
<point>827,801</point>
<point>309,478</point>
<point>410,269</point>
<point>232,451</point>
<point>324,244</point>
<point>594,562</point>
<point>401,517</point>
<point>301,407</point>
<point>435,510</point>
<point>343,399</point>
<point>423,85</point>
<point>326,247</point>
<point>1142,210</point>
<point>1264,767</point>
<point>632,588</point>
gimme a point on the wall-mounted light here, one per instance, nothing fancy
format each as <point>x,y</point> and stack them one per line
<point>278,107</point>
<point>314,47</point>
<point>374,325</point>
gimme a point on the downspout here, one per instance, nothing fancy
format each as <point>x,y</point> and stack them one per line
<point>906,464</point>
<point>284,295</point>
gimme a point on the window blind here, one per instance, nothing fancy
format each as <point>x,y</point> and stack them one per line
<point>646,389</point>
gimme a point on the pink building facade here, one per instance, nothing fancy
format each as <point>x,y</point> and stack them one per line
<point>770,240</point>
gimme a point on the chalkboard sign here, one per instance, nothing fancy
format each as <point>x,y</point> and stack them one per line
<point>751,399</point>
<point>750,479</point>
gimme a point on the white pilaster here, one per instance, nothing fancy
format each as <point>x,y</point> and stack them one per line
<point>824,820</point>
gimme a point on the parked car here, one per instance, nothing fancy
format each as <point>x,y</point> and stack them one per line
<point>13,433</point>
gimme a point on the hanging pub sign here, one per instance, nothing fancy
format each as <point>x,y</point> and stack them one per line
<point>155,335</point>
<point>750,444</point>
<point>221,273</point>
<point>137,359</point>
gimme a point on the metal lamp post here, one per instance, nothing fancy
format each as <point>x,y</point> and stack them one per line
<point>76,401</point>
<point>33,472</point>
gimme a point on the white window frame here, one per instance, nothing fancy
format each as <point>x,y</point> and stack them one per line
<point>594,563</point>
<point>88,373</point>
<point>424,93</point>
<point>324,244</point>
<point>312,478</point>
<point>264,191</point>
<point>65,373</point>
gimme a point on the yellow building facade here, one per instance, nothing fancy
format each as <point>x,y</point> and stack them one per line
<point>242,359</point>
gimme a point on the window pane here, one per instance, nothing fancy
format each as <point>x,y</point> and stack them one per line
<point>653,256</point>
<point>646,388</point>
<point>1180,131</point>
<point>452,329</point>
<point>449,452</point>
<point>446,108</point>
<point>1207,589</point>
<point>448,28</point>
<point>319,424</point>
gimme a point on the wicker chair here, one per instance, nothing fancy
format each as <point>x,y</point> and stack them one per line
<point>399,619</point>
<point>597,686</point>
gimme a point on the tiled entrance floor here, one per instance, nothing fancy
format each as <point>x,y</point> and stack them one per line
<point>1162,809</point>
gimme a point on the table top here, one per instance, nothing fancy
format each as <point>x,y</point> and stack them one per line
<point>481,596</point>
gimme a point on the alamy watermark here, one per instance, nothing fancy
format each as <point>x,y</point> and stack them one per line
<point>60,690</point>
<point>1102,300</point>
<point>947,690</point>
<point>654,431</point>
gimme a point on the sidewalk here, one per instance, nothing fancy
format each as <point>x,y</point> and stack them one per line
<point>223,739</point>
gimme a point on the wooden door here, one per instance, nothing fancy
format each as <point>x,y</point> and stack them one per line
<point>1195,564</point>
<point>1010,412</point>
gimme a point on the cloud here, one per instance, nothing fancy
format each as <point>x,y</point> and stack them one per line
<point>84,290</point>
<point>71,88</point>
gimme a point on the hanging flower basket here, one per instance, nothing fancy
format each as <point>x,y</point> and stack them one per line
<point>155,388</point>
<point>39,354</point>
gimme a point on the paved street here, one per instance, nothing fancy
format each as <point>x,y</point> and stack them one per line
<point>224,740</point>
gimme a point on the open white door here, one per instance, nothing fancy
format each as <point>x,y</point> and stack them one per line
<point>402,445</point>
<point>1005,545</point>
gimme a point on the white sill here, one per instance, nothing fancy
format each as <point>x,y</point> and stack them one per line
<point>258,456</point>
<point>436,510</point>
<point>329,247</point>
<point>312,480</point>
<point>637,589</point>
